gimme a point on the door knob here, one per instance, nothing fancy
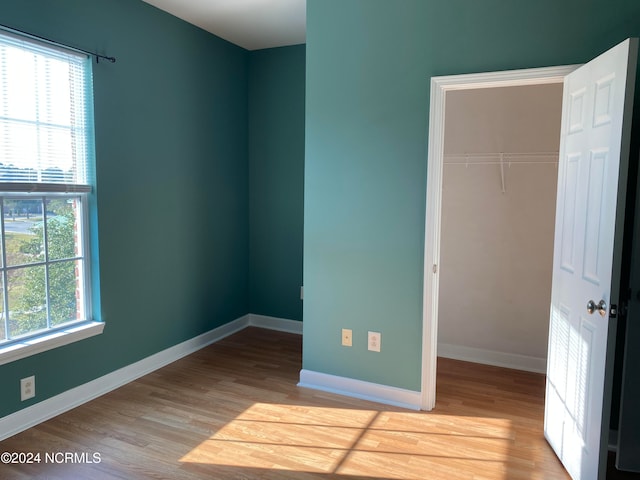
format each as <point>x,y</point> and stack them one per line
<point>601,307</point>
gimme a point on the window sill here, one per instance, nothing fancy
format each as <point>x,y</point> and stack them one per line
<point>32,346</point>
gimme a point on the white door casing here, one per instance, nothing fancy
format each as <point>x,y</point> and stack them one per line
<point>597,101</point>
<point>439,88</point>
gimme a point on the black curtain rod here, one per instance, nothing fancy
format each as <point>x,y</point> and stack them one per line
<point>58,44</point>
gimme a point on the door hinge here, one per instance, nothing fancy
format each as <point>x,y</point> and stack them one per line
<point>435,268</point>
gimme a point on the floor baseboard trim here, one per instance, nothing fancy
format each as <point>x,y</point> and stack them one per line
<point>274,323</point>
<point>490,357</point>
<point>350,387</point>
<point>40,412</point>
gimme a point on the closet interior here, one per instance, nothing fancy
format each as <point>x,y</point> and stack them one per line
<point>498,216</point>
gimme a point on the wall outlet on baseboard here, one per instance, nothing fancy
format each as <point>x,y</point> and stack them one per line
<point>375,338</point>
<point>27,388</point>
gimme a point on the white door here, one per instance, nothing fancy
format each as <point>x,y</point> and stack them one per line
<point>594,141</point>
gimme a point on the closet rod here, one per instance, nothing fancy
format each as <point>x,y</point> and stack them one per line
<point>507,161</point>
<point>499,158</point>
<point>497,154</point>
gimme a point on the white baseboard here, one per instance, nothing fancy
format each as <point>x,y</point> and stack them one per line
<point>490,357</point>
<point>42,411</point>
<point>273,323</point>
<point>359,389</point>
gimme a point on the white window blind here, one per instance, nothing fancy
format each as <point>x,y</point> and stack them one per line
<point>46,135</point>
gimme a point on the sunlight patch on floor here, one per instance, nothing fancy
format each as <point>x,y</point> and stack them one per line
<point>350,441</point>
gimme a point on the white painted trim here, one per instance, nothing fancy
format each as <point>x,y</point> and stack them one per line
<point>491,357</point>
<point>439,87</point>
<point>40,412</point>
<point>359,389</point>
<point>49,341</point>
<point>505,78</point>
<point>274,323</point>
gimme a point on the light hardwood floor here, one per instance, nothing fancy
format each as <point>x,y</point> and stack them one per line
<point>232,410</point>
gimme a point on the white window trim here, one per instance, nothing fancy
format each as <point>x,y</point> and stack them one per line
<point>48,341</point>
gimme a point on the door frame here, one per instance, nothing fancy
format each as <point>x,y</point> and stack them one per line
<point>433,211</point>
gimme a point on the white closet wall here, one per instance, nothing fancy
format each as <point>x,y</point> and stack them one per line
<point>497,247</point>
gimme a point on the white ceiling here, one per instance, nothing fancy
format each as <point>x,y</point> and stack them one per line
<point>251,24</point>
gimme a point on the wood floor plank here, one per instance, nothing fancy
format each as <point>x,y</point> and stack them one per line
<point>233,411</point>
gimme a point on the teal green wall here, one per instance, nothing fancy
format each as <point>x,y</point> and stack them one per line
<point>171,121</point>
<point>369,64</point>
<point>276,179</point>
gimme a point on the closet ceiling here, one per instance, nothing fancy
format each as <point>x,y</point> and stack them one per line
<point>251,24</point>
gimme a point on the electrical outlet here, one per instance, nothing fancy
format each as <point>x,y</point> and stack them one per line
<point>375,338</point>
<point>347,337</point>
<point>27,388</point>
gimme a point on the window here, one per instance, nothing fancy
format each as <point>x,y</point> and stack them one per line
<point>46,177</point>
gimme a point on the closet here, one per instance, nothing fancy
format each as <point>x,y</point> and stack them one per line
<point>498,215</point>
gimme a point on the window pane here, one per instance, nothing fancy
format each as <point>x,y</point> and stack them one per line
<point>27,300</point>
<point>66,292</point>
<point>53,292</point>
<point>62,228</point>
<point>44,126</point>
<point>24,231</point>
